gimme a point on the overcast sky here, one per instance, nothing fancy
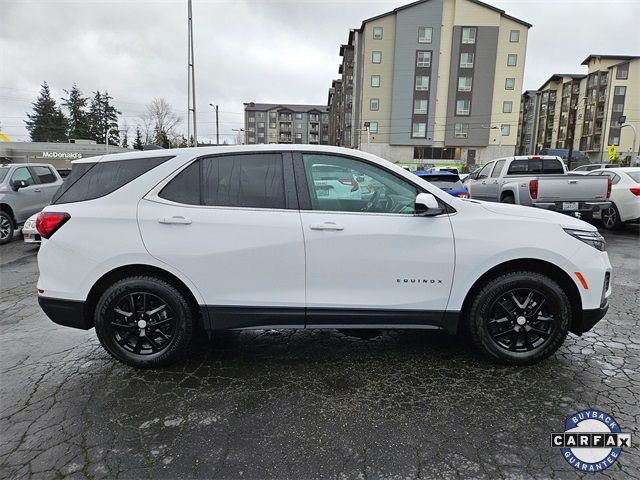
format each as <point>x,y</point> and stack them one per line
<point>280,51</point>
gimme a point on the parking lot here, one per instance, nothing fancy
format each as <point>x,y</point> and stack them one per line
<point>267,404</point>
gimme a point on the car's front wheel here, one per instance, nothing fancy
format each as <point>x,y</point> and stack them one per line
<point>611,217</point>
<point>6,227</point>
<point>519,317</point>
<point>144,322</point>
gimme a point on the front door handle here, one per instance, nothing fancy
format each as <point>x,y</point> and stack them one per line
<point>495,182</point>
<point>326,226</point>
<point>484,182</point>
<point>37,190</point>
<point>175,220</point>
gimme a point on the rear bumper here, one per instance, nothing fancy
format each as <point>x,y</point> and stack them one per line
<point>69,313</point>
<point>589,319</point>
<point>582,206</point>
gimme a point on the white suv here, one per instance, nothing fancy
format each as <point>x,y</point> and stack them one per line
<point>151,247</point>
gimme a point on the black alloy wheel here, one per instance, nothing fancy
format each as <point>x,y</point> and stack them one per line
<point>519,317</point>
<point>144,321</point>
<point>521,320</point>
<point>610,217</point>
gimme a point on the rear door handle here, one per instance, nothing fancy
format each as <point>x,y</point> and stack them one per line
<point>326,226</point>
<point>37,190</point>
<point>175,220</point>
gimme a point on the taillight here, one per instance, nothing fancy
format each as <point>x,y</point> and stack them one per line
<point>635,191</point>
<point>609,183</point>
<point>462,194</point>
<point>48,222</point>
<point>533,188</point>
<point>350,181</point>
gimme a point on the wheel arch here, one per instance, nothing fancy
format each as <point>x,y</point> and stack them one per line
<point>508,192</point>
<point>141,269</point>
<point>535,265</point>
<point>5,207</point>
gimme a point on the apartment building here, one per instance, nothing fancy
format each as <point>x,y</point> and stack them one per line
<point>286,123</point>
<point>584,110</point>
<point>434,79</point>
<point>528,123</point>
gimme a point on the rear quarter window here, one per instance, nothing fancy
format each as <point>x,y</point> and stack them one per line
<point>88,181</point>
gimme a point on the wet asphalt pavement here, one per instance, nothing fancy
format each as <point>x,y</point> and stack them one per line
<point>308,404</point>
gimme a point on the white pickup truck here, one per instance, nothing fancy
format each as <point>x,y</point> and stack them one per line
<point>539,181</point>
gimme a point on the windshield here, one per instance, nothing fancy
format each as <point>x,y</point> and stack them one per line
<point>3,173</point>
<point>634,175</point>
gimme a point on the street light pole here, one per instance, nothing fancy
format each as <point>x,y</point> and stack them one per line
<point>217,124</point>
<point>635,133</point>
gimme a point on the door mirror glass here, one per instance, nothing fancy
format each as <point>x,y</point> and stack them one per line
<point>18,184</point>
<point>427,205</point>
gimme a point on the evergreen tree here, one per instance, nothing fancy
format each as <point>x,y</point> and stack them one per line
<point>47,123</point>
<point>103,117</point>
<point>76,105</point>
<point>137,144</point>
<point>125,140</point>
<point>160,138</point>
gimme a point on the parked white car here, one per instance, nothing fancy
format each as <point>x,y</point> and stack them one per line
<point>29,231</point>
<point>146,246</point>
<point>585,169</point>
<point>625,196</point>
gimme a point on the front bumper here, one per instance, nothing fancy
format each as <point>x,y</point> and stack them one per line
<point>69,313</point>
<point>588,319</point>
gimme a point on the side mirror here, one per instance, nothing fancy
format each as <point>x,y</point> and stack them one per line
<point>427,206</point>
<point>18,184</point>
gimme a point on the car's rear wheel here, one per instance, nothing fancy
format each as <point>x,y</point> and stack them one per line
<point>144,322</point>
<point>6,227</point>
<point>611,217</point>
<point>508,199</point>
<point>519,318</point>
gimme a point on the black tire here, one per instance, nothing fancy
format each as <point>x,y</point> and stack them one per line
<point>6,227</point>
<point>131,333</point>
<point>611,217</point>
<point>508,199</point>
<point>516,337</point>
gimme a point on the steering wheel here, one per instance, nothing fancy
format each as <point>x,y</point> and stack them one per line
<point>372,201</point>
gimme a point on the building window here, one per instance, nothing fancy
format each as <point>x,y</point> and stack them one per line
<point>299,126</point>
<point>512,60</point>
<point>507,106</point>
<point>466,60</point>
<point>419,129</point>
<point>272,116</point>
<point>463,107</point>
<point>461,130</point>
<point>298,136</point>
<point>260,134</point>
<point>505,129</point>
<point>469,35</point>
<point>375,80</point>
<point>622,71</point>
<point>423,59</point>
<point>252,120</point>
<point>377,33</point>
<point>313,117</point>
<point>374,104</point>
<point>620,91</point>
<point>509,83</point>
<point>260,124</point>
<point>373,127</point>
<point>272,124</point>
<point>464,84</point>
<point>376,57</point>
<point>298,116</point>
<point>422,82</point>
<point>514,36</point>
<point>425,34</point>
<point>420,106</point>
<point>618,107</point>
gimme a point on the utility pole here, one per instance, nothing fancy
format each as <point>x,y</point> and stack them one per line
<point>191,81</point>
<point>217,124</point>
<point>573,114</point>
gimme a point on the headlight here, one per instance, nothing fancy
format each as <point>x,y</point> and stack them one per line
<point>590,238</point>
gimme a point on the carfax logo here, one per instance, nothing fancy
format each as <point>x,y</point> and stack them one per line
<point>592,440</point>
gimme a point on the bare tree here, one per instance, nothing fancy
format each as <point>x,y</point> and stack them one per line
<point>159,123</point>
<point>238,138</point>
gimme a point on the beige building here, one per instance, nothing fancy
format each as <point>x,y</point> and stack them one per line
<point>585,110</point>
<point>432,80</point>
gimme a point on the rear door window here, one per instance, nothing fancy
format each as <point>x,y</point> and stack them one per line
<point>88,181</point>
<point>497,170</point>
<point>251,180</point>
<point>552,166</point>
<point>44,174</point>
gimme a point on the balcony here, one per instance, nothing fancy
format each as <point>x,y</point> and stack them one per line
<point>285,117</point>
<point>285,138</point>
<point>601,98</point>
<point>600,114</point>
<point>285,128</point>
